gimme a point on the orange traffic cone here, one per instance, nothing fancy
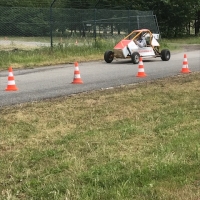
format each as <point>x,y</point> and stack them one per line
<point>77,76</point>
<point>11,81</point>
<point>185,68</point>
<point>141,72</point>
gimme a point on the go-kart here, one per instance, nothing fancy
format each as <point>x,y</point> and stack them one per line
<point>128,48</point>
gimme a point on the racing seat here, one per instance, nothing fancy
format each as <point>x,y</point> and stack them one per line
<point>148,43</point>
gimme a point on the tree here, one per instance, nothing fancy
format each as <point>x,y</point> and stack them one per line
<point>173,16</point>
<point>24,21</point>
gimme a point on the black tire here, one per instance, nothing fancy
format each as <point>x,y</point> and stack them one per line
<point>135,57</point>
<point>165,55</point>
<point>109,56</point>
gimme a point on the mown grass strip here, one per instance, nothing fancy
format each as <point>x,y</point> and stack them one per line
<point>132,142</point>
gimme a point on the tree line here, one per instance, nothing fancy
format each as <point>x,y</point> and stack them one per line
<point>175,17</point>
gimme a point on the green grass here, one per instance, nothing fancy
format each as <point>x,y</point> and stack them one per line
<point>133,142</point>
<point>179,43</point>
<point>184,40</point>
<point>67,51</point>
<point>60,54</point>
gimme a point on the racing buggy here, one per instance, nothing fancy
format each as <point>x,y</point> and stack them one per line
<point>129,48</point>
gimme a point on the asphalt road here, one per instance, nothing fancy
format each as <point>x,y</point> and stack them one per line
<point>55,81</point>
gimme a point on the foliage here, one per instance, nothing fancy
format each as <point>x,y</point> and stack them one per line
<point>173,19</point>
<point>24,21</point>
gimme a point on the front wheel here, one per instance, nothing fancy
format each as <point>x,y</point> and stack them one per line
<point>109,56</point>
<point>135,57</point>
<point>165,55</point>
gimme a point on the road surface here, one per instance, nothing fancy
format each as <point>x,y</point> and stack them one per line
<point>55,81</point>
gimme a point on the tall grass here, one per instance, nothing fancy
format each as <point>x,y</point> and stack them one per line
<point>59,54</point>
<point>68,51</point>
<point>133,142</point>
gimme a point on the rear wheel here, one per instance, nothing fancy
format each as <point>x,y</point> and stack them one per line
<point>165,55</point>
<point>109,56</point>
<point>135,57</point>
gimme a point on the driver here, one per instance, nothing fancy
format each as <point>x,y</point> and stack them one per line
<point>141,41</point>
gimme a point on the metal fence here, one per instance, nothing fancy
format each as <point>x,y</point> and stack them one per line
<point>43,25</point>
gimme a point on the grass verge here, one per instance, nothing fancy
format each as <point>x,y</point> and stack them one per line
<point>133,142</point>
<point>68,51</point>
<point>60,54</point>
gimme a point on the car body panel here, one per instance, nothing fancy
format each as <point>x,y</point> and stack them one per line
<point>127,46</point>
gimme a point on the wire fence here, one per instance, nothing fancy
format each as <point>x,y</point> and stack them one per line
<point>46,26</point>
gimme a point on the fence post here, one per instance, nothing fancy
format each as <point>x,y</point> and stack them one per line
<point>51,23</point>
<point>158,30</point>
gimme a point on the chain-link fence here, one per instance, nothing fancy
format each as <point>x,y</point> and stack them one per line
<point>46,26</point>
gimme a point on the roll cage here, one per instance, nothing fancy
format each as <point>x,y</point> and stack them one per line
<point>150,40</point>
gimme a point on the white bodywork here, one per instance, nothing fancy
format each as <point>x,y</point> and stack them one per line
<point>144,51</point>
<point>128,45</point>
<point>122,49</point>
